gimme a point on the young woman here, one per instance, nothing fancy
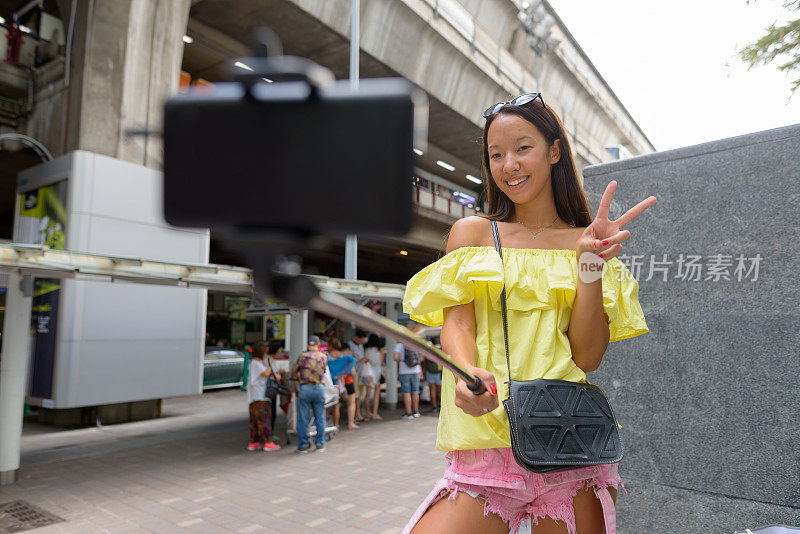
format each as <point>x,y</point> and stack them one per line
<point>433,376</point>
<point>261,407</point>
<point>357,351</point>
<point>274,351</point>
<point>343,367</point>
<point>375,353</point>
<point>567,297</point>
<point>350,390</point>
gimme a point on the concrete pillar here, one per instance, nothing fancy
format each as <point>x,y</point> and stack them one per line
<point>126,59</point>
<point>14,372</point>
<point>297,333</point>
<point>390,369</point>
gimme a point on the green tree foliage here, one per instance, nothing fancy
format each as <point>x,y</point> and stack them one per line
<point>780,42</point>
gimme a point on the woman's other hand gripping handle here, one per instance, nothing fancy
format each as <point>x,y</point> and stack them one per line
<point>477,404</point>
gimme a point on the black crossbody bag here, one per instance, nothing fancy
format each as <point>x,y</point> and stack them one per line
<point>557,425</point>
<point>274,387</point>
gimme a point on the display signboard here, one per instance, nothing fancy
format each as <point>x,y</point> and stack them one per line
<point>42,221</point>
<point>275,327</point>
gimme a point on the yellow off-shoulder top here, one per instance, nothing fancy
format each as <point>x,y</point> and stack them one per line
<point>540,291</point>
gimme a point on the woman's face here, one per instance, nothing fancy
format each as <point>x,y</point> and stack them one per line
<point>520,158</point>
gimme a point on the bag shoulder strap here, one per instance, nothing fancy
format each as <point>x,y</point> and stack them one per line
<point>496,236</point>
<point>271,370</point>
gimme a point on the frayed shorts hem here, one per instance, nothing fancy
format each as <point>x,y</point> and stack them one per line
<point>548,495</point>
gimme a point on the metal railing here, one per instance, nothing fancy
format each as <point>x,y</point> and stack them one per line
<point>442,204</point>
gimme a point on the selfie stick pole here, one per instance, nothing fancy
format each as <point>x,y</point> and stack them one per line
<point>302,292</point>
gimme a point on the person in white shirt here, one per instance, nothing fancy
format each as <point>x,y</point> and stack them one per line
<point>375,353</point>
<point>260,405</point>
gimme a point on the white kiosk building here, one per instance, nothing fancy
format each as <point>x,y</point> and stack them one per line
<point>123,344</point>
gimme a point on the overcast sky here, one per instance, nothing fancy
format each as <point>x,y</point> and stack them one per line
<point>675,68</point>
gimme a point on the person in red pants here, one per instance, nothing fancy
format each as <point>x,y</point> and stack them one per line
<point>260,406</point>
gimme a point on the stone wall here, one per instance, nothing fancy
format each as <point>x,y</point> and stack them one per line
<point>709,398</point>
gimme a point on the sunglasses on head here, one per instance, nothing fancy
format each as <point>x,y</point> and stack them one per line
<point>521,100</point>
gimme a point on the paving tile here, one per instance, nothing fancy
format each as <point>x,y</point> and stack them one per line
<point>155,524</point>
<point>251,528</point>
<point>208,528</point>
<point>190,522</point>
<point>317,522</point>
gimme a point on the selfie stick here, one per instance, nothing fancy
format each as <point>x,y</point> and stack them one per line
<point>302,292</point>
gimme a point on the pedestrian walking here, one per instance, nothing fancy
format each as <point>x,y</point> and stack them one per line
<point>310,372</point>
<point>433,377</point>
<point>274,351</point>
<point>375,354</point>
<point>350,389</point>
<point>261,407</point>
<point>357,351</point>
<point>341,367</point>
<point>408,373</point>
<point>562,311</point>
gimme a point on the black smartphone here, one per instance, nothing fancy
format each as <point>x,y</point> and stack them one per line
<point>285,158</point>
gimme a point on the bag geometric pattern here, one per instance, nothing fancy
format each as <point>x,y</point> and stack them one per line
<point>563,424</point>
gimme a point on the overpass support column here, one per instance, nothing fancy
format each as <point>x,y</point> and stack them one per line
<point>298,334</point>
<point>14,372</point>
<point>390,369</point>
<point>126,60</point>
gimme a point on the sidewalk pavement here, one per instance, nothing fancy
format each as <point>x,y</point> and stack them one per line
<point>190,472</point>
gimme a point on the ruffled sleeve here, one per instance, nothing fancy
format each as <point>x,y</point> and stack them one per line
<point>621,302</point>
<point>452,281</point>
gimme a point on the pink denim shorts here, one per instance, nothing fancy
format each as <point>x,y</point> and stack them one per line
<point>518,496</point>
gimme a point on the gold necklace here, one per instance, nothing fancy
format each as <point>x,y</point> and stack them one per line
<point>538,231</point>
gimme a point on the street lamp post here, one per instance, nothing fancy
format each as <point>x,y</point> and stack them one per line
<point>538,24</point>
<point>351,241</point>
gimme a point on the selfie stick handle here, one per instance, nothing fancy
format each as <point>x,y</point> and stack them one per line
<point>302,292</point>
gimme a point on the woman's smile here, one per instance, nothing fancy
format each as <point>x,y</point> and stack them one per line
<point>517,182</point>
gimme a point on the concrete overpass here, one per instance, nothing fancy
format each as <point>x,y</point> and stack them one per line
<point>466,54</point>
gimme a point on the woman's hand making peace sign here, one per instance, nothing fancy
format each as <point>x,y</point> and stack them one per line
<point>603,237</point>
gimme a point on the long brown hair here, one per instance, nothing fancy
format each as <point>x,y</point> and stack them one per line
<point>568,194</point>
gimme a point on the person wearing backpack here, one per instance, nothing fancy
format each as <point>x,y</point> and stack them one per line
<point>433,376</point>
<point>408,373</point>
